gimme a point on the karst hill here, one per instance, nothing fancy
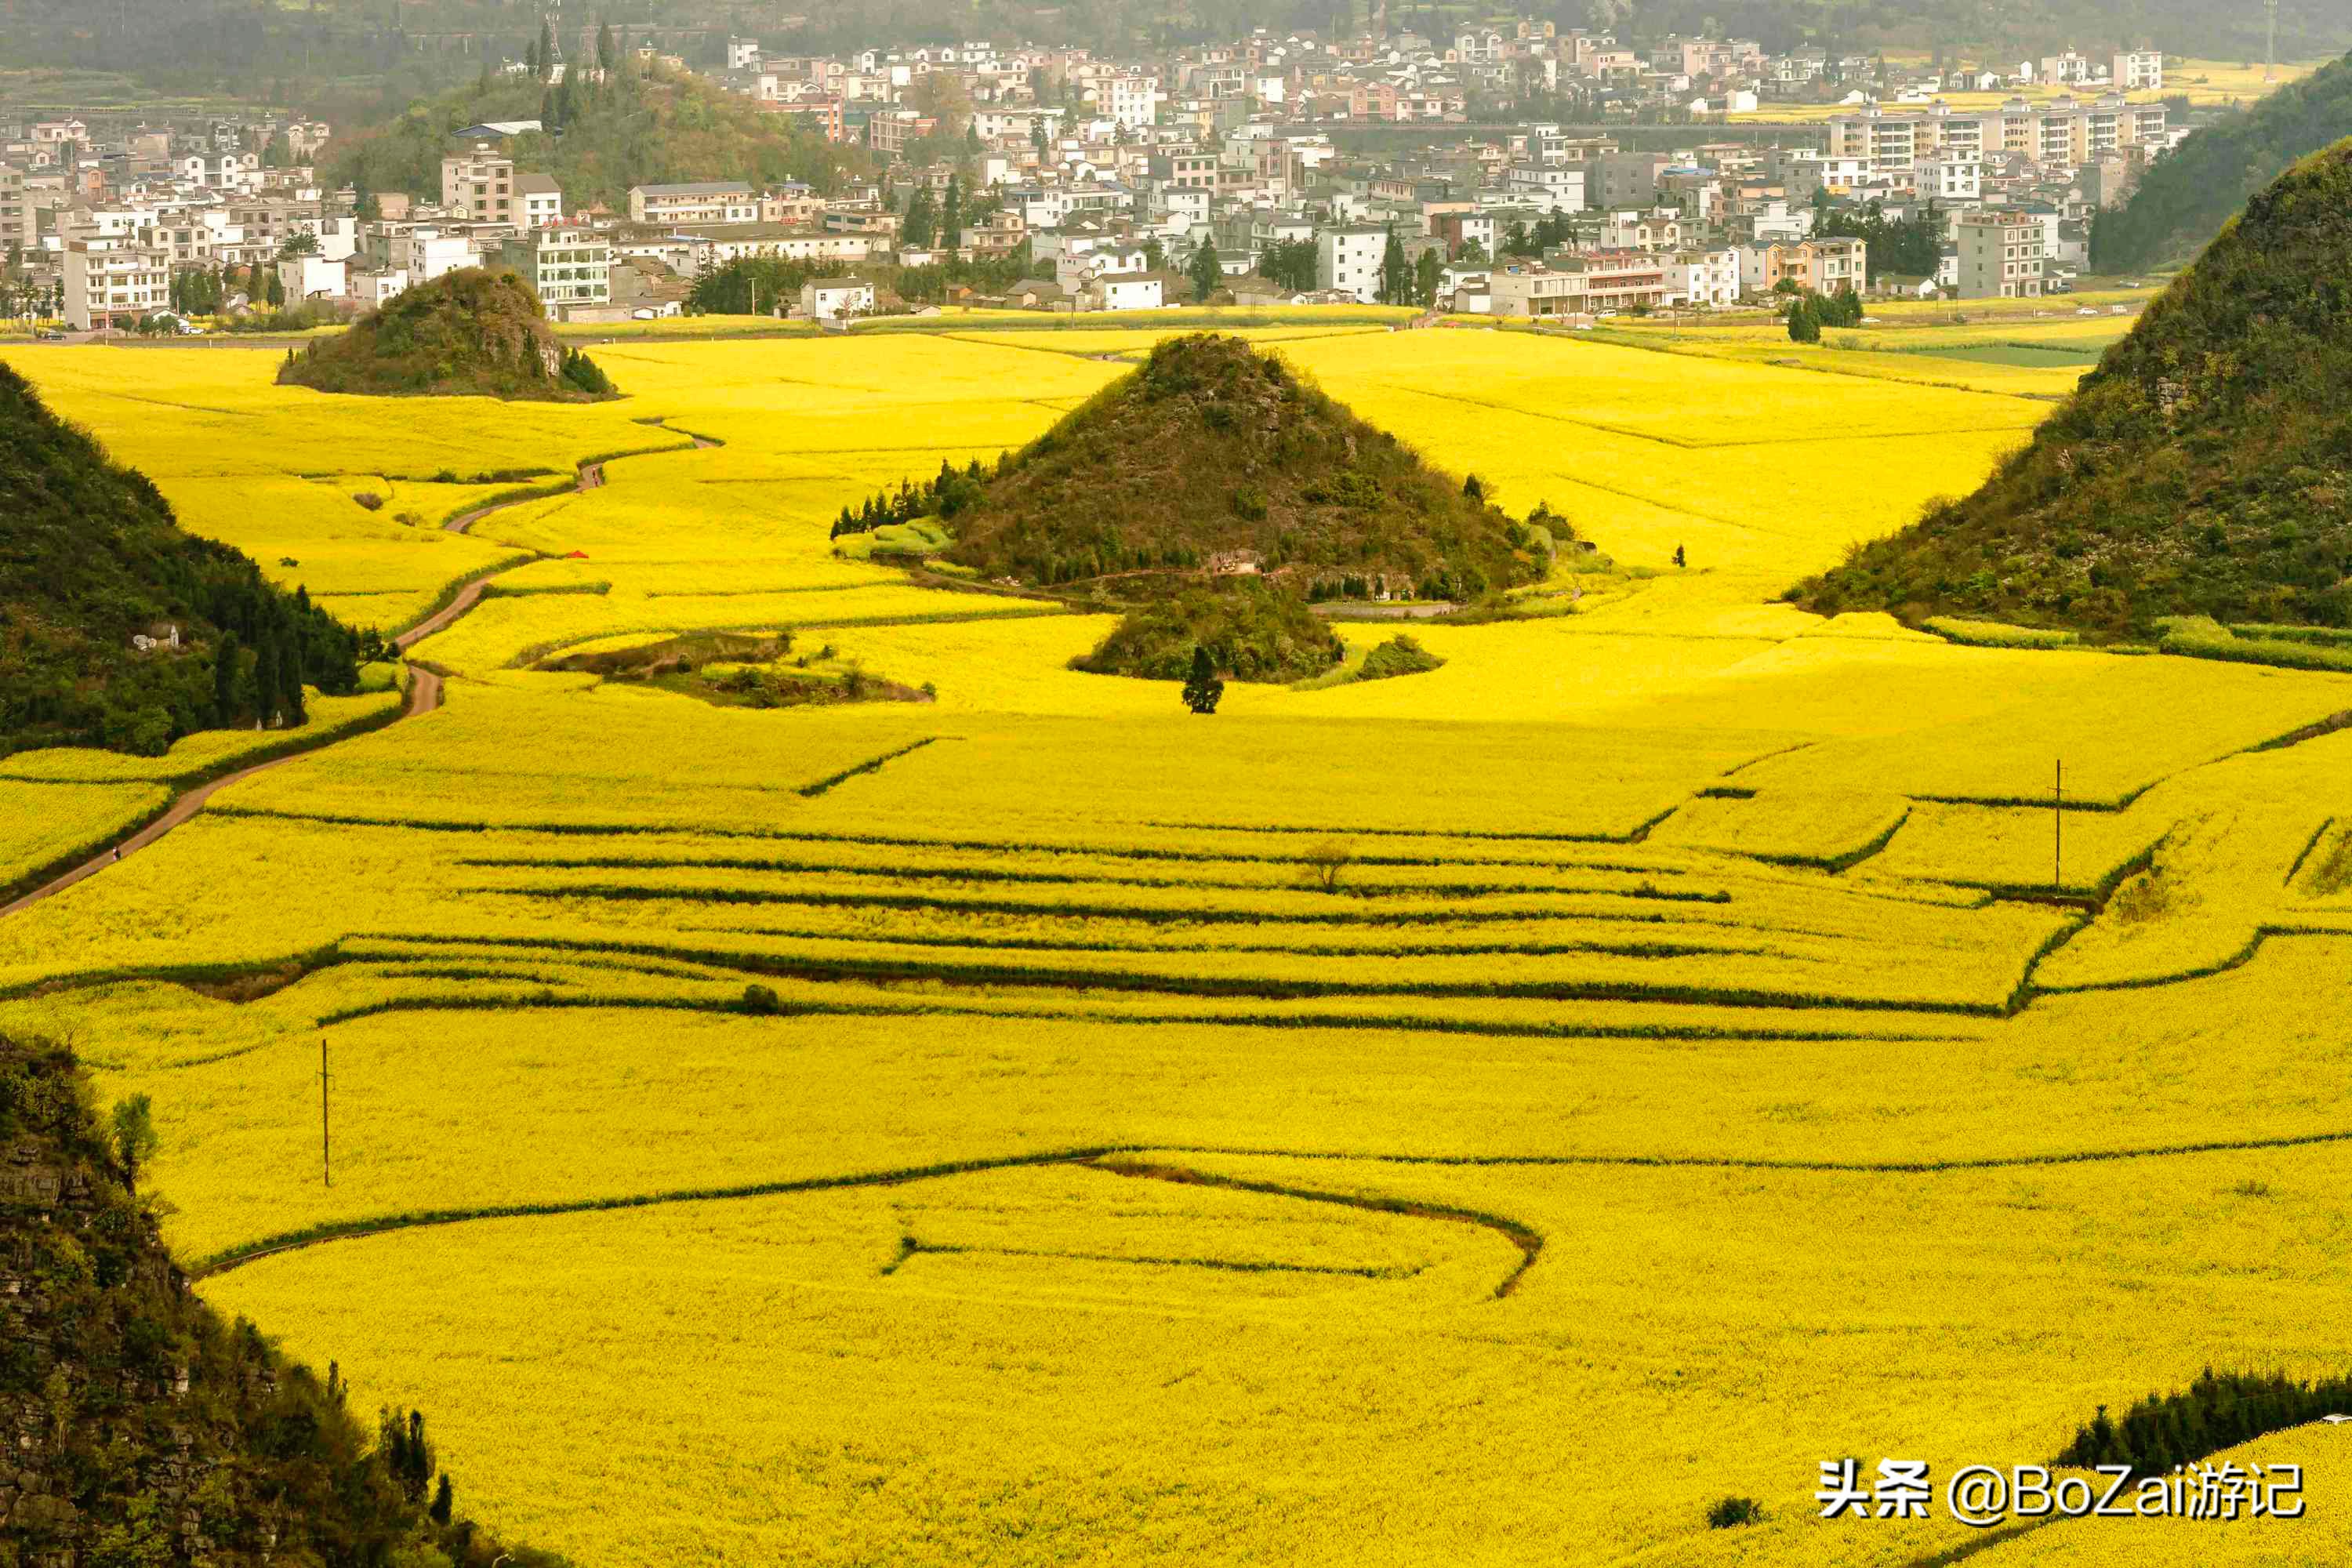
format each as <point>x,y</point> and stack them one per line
<point>115,626</point>
<point>478,333</point>
<point>2203,468</point>
<point>1215,460</point>
<point>144,1429</point>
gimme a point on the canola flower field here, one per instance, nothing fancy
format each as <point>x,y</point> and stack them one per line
<point>1489,1115</point>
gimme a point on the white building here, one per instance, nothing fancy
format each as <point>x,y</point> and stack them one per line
<point>2001,255</point>
<point>569,265</point>
<point>1554,187</point>
<point>837,299</point>
<point>1950,178</point>
<point>1349,259</point>
<point>1704,278</point>
<point>2141,70</point>
<point>107,284</point>
<point>707,202</point>
<point>1125,291</point>
<point>1133,100</point>
<point>542,199</point>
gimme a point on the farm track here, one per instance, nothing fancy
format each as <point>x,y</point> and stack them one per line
<point>424,696</point>
<point>1129,1160</point>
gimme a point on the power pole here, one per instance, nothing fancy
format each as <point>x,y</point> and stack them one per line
<point>326,1146</point>
<point>2058,831</point>
<point>2269,52</point>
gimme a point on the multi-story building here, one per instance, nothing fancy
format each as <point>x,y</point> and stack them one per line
<point>1348,260</point>
<point>540,199</point>
<point>890,130</point>
<point>1950,178</point>
<point>2064,131</point>
<point>2001,255</point>
<point>707,202</point>
<point>570,264</point>
<point>2141,70</point>
<point>1821,266</point>
<point>1620,280</point>
<point>1628,179</point>
<point>1554,187</point>
<point>109,283</point>
<point>1131,99</point>
<point>19,224</point>
<point>1529,289</point>
<point>480,186</point>
<point>1705,277</point>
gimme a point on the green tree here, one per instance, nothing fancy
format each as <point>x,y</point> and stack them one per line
<point>225,657</point>
<point>1426,274</point>
<point>1804,324</point>
<point>951,215</point>
<point>1202,690</point>
<point>921,224</point>
<point>134,1136</point>
<point>1396,272</point>
<point>546,48</point>
<point>608,53</point>
<point>1208,275</point>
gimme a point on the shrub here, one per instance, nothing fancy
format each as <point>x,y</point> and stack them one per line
<point>761,1000</point>
<point>1728,1512</point>
<point>370,499</point>
<point>1401,655</point>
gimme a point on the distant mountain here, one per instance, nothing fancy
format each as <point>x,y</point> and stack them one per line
<point>2185,197</point>
<point>142,1427</point>
<point>2203,468</point>
<point>473,333</point>
<point>1213,458</point>
<point>91,559</point>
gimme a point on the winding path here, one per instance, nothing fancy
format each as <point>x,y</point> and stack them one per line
<point>424,696</point>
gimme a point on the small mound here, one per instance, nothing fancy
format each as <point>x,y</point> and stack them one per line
<point>2200,470</point>
<point>471,333</point>
<point>1252,632</point>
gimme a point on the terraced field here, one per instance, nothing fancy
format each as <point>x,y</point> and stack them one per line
<point>1487,1115</point>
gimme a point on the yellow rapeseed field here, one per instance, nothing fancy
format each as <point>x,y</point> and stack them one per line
<point>1489,1115</point>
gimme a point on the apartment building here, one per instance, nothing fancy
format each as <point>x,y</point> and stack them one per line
<point>1620,280</point>
<point>109,283</point>
<point>480,186</point>
<point>1554,187</point>
<point>1133,100</point>
<point>19,224</point>
<point>1348,260</point>
<point>2142,71</point>
<point>540,200</point>
<point>2062,131</point>
<point>569,265</point>
<point>2001,255</point>
<point>706,202</point>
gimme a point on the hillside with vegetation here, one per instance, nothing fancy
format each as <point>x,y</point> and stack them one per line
<point>92,558</point>
<point>637,127</point>
<point>143,1428</point>
<point>476,332</point>
<point>2203,468</point>
<point>1213,458</point>
<point>2185,197</point>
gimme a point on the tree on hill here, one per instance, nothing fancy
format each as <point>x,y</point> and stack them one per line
<point>2186,196</point>
<point>91,558</point>
<point>2197,471</point>
<point>1207,273</point>
<point>157,1414</point>
<point>634,129</point>
<point>472,332</point>
<point>921,223</point>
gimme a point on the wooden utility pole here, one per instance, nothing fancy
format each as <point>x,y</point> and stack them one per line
<point>326,1146</point>
<point>2058,830</point>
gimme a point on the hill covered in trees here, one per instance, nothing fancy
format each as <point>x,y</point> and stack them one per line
<point>1214,458</point>
<point>143,1428</point>
<point>2203,468</point>
<point>2185,198</point>
<point>637,127</point>
<point>474,332</point>
<point>91,557</point>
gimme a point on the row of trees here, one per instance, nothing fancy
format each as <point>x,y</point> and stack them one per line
<point>945,495</point>
<point>1912,248</point>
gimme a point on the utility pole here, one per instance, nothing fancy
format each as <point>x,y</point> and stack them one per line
<point>2269,52</point>
<point>2058,830</point>
<point>326,1146</point>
